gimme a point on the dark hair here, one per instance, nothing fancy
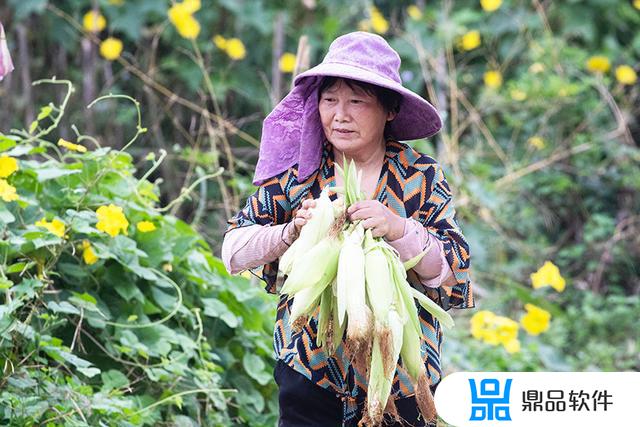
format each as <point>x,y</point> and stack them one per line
<point>389,99</point>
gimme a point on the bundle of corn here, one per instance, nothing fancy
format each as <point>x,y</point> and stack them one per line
<point>360,285</point>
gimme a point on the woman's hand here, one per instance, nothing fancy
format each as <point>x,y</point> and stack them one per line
<point>304,214</point>
<point>379,218</point>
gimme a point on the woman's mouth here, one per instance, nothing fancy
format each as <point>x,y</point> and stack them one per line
<point>343,131</point>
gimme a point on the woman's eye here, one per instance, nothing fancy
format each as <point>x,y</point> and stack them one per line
<point>329,99</point>
<point>356,101</point>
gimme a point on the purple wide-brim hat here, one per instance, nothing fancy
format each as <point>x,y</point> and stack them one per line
<point>292,133</point>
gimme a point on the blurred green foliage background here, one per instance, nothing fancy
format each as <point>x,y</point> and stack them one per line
<point>541,106</point>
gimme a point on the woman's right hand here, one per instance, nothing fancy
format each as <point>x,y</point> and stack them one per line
<point>304,214</point>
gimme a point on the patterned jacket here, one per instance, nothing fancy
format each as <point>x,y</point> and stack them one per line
<point>411,185</point>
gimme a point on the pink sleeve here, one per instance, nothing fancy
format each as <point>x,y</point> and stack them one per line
<point>433,270</point>
<point>255,245</point>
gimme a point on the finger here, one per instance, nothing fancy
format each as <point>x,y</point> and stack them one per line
<point>309,203</point>
<point>377,232</point>
<point>305,215</point>
<point>370,223</point>
<point>354,207</point>
<point>363,213</point>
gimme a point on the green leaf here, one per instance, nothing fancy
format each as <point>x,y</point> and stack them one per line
<point>20,150</point>
<point>45,112</point>
<point>255,367</point>
<point>5,284</point>
<point>33,126</point>
<point>216,308</point>
<point>19,266</point>
<point>63,307</point>
<point>128,290</point>
<point>113,379</point>
<point>89,372</point>
<point>86,297</point>
<point>163,299</point>
<point>6,217</point>
<point>53,172</point>
<point>85,301</point>
<point>6,143</point>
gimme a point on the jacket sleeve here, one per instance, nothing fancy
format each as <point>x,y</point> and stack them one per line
<point>438,216</point>
<point>266,207</point>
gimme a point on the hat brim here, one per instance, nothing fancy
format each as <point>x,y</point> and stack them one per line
<point>416,119</point>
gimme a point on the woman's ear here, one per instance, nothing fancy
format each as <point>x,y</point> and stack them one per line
<point>391,115</point>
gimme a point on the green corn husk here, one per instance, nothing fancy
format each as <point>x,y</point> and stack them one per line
<point>322,217</point>
<point>380,292</point>
<point>316,268</point>
<point>351,277</point>
<point>323,338</point>
<point>338,327</point>
<point>377,385</point>
<point>436,311</point>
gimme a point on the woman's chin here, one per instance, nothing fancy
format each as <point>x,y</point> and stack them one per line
<point>344,143</point>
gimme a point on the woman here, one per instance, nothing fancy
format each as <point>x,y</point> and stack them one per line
<point>352,104</point>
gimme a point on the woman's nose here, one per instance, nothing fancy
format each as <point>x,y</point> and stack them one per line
<point>341,113</point>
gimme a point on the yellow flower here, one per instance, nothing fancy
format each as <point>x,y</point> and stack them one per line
<point>506,329</point>
<point>512,346</point>
<point>180,15</point>
<point>636,4</point>
<point>480,322</point>
<point>94,22</point>
<point>111,48</point>
<point>537,142</point>
<point>167,267</point>
<point>88,255</point>
<point>536,320</point>
<point>493,79</point>
<point>287,62</point>
<point>378,21</point>
<point>598,64</point>
<point>191,6</point>
<point>470,40</point>
<point>8,165</point>
<point>536,68</point>
<point>490,5</point>
<point>548,275</point>
<point>71,146</point>
<point>235,49</point>
<point>145,226</point>
<point>626,75</point>
<point>220,42</point>
<point>518,95</point>
<point>111,220</point>
<point>414,12</point>
<point>55,227</point>
<point>495,330</point>
<point>7,191</point>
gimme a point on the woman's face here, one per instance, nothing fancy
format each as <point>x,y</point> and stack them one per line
<point>353,120</point>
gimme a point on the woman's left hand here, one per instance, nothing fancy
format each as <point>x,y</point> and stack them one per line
<point>379,218</point>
